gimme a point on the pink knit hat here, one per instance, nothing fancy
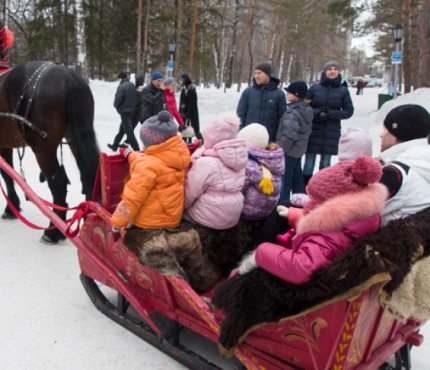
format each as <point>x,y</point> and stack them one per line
<point>223,128</point>
<point>344,177</point>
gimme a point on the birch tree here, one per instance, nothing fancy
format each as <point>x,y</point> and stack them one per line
<point>81,47</point>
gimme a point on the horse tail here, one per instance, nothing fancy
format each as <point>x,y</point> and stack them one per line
<point>80,115</point>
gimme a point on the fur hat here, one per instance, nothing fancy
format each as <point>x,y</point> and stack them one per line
<point>408,122</point>
<point>255,135</point>
<point>344,177</point>
<point>264,67</point>
<point>332,63</point>
<point>156,75</point>
<point>354,143</point>
<point>169,81</point>
<point>158,129</point>
<point>297,88</point>
<point>223,128</point>
<point>122,75</point>
<point>185,77</point>
<point>139,80</point>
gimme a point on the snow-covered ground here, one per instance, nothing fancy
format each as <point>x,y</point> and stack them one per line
<point>46,319</point>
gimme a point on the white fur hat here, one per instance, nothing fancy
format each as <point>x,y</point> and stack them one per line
<point>354,143</point>
<point>255,134</point>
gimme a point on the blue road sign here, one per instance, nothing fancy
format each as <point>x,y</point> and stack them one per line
<point>396,57</point>
<point>170,65</point>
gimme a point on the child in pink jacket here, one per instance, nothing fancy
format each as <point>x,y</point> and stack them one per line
<point>213,196</point>
<point>346,202</point>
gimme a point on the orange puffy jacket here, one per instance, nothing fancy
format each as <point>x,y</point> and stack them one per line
<point>154,195</point>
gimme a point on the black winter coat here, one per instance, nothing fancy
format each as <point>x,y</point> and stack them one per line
<point>264,104</point>
<point>154,101</point>
<point>188,105</point>
<point>125,97</point>
<point>331,97</point>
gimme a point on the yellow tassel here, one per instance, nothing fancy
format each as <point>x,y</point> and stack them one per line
<point>267,186</point>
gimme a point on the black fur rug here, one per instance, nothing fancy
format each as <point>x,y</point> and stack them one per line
<point>258,297</point>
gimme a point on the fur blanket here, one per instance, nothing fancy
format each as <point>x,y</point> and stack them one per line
<point>199,255</point>
<point>258,297</point>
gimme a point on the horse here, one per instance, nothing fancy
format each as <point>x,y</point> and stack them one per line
<point>41,105</point>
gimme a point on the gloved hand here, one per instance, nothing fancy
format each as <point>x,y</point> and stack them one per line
<point>125,151</point>
<point>266,186</point>
<point>116,233</point>
<point>322,116</point>
<point>247,264</point>
<point>282,211</point>
<point>299,199</point>
<point>182,128</point>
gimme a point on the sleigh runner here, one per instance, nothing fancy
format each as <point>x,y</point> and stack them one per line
<point>351,330</point>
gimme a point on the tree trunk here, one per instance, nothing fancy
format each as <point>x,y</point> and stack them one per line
<point>233,48</point>
<point>193,35</point>
<point>145,37</point>
<point>272,27</point>
<point>177,56</point>
<point>406,50</point>
<point>424,80</point>
<point>239,73</point>
<point>81,45</point>
<point>139,36</point>
<point>414,46</point>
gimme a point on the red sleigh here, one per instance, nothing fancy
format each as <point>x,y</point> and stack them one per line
<point>348,332</point>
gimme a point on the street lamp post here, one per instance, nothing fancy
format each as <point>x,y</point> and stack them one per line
<point>398,36</point>
<point>172,47</point>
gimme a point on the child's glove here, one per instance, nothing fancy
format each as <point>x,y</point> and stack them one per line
<point>116,232</point>
<point>266,183</point>
<point>282,211</point>
<point>299,199</point>
<point>125,151</point>
<point>266,186</point>
<point>247,264</point>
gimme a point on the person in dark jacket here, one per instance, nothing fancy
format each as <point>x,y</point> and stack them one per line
<point>188,105</point>
<point>138,113</point>
<point>125,104</point>
<point>154,100</point>
<point>293,134</point>
<point>263,102</point>
<point>331,103</point>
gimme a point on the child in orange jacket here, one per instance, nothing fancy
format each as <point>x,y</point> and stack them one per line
<point>154,195</point>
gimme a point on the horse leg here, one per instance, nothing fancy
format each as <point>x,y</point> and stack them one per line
<point>7,154</point>
<point>57,182</point>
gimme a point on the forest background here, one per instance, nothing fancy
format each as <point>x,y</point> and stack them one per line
<point>218,42</point>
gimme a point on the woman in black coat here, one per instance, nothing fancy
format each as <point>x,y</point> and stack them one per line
<point>188,105</point>
<point>331,103</point>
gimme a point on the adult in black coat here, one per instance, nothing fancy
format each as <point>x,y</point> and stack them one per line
<point>125,104</point>
<point>331,103</point>
<point>137,117</point>
<point>263,102</point>
<point>154,100</point>
<point>188,105</point>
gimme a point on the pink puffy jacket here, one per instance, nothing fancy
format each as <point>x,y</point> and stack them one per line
<point>323,234</point>
<point>213,186</point>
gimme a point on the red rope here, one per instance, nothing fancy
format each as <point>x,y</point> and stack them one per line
<point>81,210</point>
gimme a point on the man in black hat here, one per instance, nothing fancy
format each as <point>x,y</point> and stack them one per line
<point>125,104</point>
<point>263,102</point>
<point>405,152</point>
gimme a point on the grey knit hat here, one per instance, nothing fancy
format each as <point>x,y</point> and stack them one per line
<point>158,129</point>
<point>169,81</point>
<point>264,67</point>
<point>332,63</point>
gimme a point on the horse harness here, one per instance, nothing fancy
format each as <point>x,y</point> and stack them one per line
<point>30,86</point>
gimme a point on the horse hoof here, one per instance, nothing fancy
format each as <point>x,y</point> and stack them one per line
<point>8,216</point>
<point>47,240</point>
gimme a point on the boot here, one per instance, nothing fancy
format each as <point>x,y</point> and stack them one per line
<point>306,179</point>
<point>113,147</point>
